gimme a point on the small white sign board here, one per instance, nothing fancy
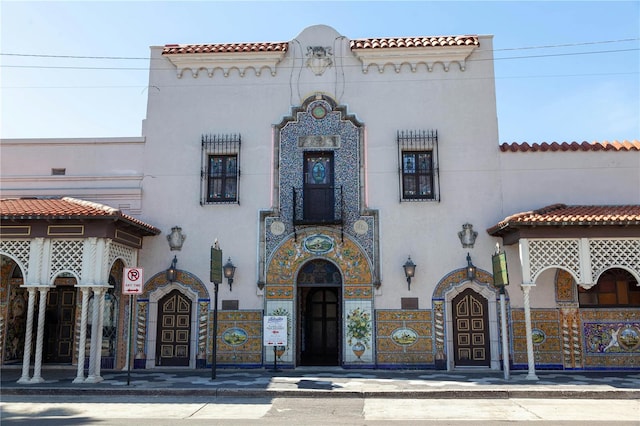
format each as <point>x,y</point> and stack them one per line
<point>275,331</point>
<point>133,281</point>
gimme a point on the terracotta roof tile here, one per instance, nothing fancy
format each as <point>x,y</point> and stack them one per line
<point>170,49</point>
<point>65,208</point>
<point>633,145</point>
<point>396,42</point>
<point>364,43</point>
<point>564,215</point>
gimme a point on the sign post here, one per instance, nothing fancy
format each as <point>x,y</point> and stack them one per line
<point>501,279</point>
<point>275,334</point>
<point>215,275</point>
<point>132,285</point>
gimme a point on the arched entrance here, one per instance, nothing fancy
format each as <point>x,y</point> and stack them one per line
<point>319,307</point>
<point>466,321</point>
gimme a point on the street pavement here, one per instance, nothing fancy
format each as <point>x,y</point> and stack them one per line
<point>326,382</point>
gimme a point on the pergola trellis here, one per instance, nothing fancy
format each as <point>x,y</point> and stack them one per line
<point>585,241</point>
<point>53,236</point>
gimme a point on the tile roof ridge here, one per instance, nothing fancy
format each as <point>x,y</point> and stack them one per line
<point>414,41</point>
<point>550,208</point>
<point>577,215</point>
<point>91,204</point>
<point>625,145</point>
<point>235,47</point>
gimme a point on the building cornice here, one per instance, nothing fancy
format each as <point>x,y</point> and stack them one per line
<point>210,62</point>
<point>412,56</point>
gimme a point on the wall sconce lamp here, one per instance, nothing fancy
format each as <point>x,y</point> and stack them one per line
<point>229,271</point>
<point>471,269</point>
<point>172,272</point>
<point>409,271</point>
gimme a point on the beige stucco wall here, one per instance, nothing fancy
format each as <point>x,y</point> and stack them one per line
<point>460,105</point>
<point>103,170</point>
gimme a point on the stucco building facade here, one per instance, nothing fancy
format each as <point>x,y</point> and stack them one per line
<point>322,166</point>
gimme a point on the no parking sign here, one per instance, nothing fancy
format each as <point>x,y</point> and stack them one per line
<point>133,281</point>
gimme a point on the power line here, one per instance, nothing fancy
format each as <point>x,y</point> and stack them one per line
<point>568,54</point>
<point>282,67</point>
<point>218,84</point>
<point>587,43</point>
<point>549,46</point>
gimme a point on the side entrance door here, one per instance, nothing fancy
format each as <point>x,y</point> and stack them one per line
<point>470,329</point>
<point>59,324</point>
<point>174,330</point>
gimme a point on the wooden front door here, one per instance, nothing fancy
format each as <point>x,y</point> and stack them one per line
<point>319,198</point>
<point>320,330</point>
<point>470,329</point>
<point>174,330</point>
<point>59,324</point>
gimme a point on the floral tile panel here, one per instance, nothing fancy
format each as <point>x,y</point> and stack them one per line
<point>404,337</point>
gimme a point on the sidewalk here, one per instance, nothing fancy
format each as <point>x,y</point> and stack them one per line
<point>332,382</point>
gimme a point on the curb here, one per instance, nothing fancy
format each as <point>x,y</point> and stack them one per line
<point>314,393</point>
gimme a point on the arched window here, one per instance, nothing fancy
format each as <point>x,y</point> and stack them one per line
<point>615,288</point>
<point>319,271</point>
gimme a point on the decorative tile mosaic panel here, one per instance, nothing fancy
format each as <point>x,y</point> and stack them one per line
<point>239,338</point>
<point>184,277</point>
<point>404,338</point>
<point>279,292</point>
<point>348,256</point>
<point>336,125</point>
<point>483,278</point>
<point>611,338</point>
<point>565,287</point>
<point>358,292</point>
<point>590,338</point>
<point>616,337</point>
<point>571,337</point>
<point>546,334</point>
<point>358,332</point>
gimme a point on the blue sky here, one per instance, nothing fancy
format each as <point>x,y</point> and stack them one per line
<point>565,71</point>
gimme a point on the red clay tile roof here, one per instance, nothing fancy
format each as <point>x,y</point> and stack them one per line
<point>363,43</point>
<point>564,215</point>
<point>437,41</point>
<point>170,49</point>
<point>65,208</point>
<point>633,145</point>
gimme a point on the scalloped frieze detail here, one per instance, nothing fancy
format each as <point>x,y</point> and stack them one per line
<point>208,63</point>
<point>396,58</point>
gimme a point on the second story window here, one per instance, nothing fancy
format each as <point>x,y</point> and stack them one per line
<point>222,178</point>
<point>417,175</point>
<point>418,157</point>
<point>220,169</point>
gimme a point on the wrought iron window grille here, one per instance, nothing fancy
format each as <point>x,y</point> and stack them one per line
<point>418,165</point>
<point>220,169</point>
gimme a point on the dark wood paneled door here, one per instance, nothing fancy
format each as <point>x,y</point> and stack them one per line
<point>470,329</point>
<point>174,330</point>
<point>321,319</point>
<point>59,325</point>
